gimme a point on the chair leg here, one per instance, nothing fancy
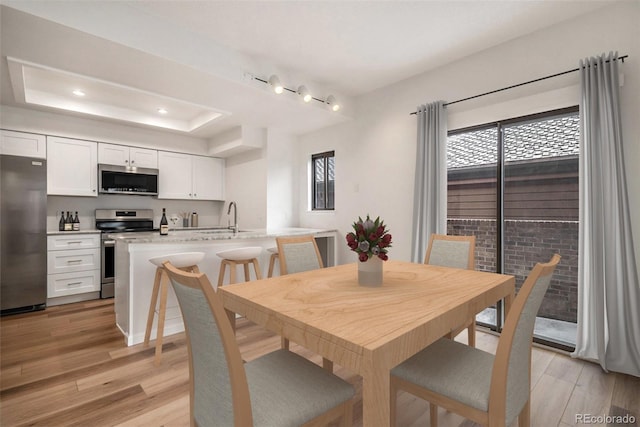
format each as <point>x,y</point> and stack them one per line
<point>152,306</point>
<point>471,330</point>
<point>346,420</point>
<point>433,414</point>
<point>524,418</point>
<point>164,288</point>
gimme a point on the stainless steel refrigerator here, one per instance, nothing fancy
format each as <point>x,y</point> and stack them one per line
<point>23,234</point>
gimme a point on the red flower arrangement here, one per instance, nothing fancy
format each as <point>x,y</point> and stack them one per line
<point>369,238</point>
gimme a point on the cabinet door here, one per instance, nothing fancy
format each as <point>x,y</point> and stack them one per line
<point>174,177</point>
<point>22,144</point>
<point>208,183</point>
<point>72,167</point>
<point>143,158</point>
<point>112,154</point>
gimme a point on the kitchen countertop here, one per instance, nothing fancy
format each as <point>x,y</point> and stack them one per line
<point>58,232</point>
<point>204,234</point>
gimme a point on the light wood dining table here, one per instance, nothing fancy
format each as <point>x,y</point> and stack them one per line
<point>368,330</point>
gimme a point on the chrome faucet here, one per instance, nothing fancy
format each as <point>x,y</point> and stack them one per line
<point>234,227</point>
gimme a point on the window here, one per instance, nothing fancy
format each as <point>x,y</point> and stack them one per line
<point>514,184</point>
<point>323,183</point>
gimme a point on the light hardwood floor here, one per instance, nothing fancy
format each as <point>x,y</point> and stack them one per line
<point>68,366</point>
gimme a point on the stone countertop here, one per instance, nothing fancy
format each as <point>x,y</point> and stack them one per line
<point>199,235</point>
<point>58,232</point>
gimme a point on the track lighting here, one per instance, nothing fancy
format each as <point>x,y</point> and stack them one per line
<point>304,93</point>
<point>274,81</point>
<point>331,101</point>
<point>278,88</point>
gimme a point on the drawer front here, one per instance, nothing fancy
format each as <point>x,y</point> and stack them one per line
<point>59,285</point>
<point>73,260</point>
<point>73,241</point>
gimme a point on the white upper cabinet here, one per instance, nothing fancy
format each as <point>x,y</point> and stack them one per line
<point>184,176</point>
<point>122,155</point>
<point>174,179</point>
<point>23,144</point>
<point>208,178</point>
<point>72,167</point>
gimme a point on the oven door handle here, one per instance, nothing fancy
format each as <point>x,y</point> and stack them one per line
<point>109,243</point>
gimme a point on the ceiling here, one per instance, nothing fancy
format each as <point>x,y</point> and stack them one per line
<point>200,58</point>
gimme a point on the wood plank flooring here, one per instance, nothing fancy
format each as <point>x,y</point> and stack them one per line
<point>69,366</point>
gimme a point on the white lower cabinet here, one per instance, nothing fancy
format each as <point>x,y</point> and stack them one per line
<point>73,264</point>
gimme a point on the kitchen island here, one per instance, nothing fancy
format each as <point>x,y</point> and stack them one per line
<point>134,274</point>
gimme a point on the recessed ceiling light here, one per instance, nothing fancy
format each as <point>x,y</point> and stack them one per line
<point>78,92</point>
<point>162,110</point>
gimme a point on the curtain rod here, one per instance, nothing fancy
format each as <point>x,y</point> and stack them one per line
<point>621,58</point>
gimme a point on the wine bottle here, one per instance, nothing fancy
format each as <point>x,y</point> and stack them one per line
<point>76,223</point>
<point>68,224</point>
<point>164,224</point>
<point>61,223</point>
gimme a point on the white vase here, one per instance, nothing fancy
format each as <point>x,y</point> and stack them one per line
<point>370,272</point>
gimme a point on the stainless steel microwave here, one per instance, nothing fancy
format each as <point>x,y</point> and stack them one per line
<point>114,179</point>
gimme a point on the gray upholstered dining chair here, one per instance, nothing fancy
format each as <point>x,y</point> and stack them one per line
<point>297,254</point>
<point>280,388</point>
<point>455,252</point>
<point>487,389</point>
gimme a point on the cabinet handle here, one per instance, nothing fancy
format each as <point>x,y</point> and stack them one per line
<point>74,242</point>
<point>73,260</point>
<point>133,161</point>
<point>126,161</point>
<point>74,284</point>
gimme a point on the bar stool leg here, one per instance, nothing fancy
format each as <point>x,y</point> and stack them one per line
<point>223,267</point>
<point>272,264</point>
<point>247,274</point>
<point>256,268</point>
<point>152,306</point>
<point>164,288</point>
<point>232,271</point>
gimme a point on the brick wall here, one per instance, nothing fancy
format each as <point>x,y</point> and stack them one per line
<point>526,243</point>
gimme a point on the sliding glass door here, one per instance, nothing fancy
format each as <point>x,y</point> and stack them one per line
<point>534,190</point>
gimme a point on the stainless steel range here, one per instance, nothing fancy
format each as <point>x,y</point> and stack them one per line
<point>111,221</point>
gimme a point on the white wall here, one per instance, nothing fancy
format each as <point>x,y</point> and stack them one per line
<point>375,153</point>
<point>282,184</point>
<point>246,184</point>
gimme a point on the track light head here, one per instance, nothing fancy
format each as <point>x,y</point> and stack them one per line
<point>304,93</point>
<point>331,101</point>
<point>274,81</point>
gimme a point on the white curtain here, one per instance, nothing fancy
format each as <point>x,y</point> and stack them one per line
<point>608,288</point>
<point>430,189</point>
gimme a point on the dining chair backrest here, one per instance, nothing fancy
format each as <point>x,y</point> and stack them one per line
<point>298,254</point>
<point>513,355</point>
<point>451,251</point>
<point>218,384</point>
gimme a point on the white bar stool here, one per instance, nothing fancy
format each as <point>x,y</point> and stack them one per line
<point>239,256</point>
<point>186,261</point>
<point>272,260</point>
